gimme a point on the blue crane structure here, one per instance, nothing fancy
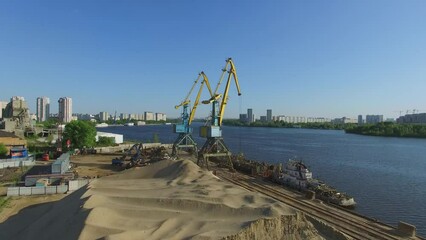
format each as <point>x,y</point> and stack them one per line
<point>215,147</point>
<point>185,140</point>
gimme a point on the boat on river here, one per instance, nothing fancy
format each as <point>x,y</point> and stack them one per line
<point>296,175</point>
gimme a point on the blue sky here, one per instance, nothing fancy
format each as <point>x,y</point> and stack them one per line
<point>306,58</point>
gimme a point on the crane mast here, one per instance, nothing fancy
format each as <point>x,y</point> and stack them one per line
<point>214,145</point>
<point>185,140</point>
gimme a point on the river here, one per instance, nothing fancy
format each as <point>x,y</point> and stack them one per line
<point>386,176</point>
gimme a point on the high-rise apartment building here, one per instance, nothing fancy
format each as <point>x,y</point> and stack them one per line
<point>250,116</point>
<point>43,109</point>
<point>149,116</point>
<point>103,116</point>
<point>65,109</point>
<point>269,115</point>
<point>360,121</point>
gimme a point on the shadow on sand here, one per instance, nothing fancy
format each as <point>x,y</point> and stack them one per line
<point>62,219</point>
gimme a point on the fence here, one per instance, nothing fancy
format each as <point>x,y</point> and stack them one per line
<point>17,162</point>
<point>27,191</point>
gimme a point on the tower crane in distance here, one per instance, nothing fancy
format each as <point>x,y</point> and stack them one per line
<point>214,146</point>
<point>184,140</point>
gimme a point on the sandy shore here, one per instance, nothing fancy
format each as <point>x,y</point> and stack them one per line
<point>166,200</point>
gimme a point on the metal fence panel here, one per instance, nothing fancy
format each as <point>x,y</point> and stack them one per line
<point>13,191</point>
<point>51,190</point>
<point>62,189</point>
<point>24,191</point>
<point>38,190</point>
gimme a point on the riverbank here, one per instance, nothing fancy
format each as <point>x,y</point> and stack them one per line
<point>192,204</point>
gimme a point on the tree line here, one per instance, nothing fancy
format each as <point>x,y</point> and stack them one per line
<point>388,129</point>
<point>282,124</point>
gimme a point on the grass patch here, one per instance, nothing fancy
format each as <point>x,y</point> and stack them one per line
<point>4,202</point>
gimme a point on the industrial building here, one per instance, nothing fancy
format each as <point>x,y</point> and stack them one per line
<point>43,109</point>
<point>65,109</point>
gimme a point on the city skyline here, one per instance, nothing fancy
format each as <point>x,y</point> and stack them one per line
<point>299,58</point>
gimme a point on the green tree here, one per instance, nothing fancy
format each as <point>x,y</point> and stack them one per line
<point>105,141</point>
<point>80,133</point>
<point>3,150</point>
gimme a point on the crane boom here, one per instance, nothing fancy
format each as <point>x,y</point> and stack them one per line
<point>232,72</point>
<point>197,100</point>
<point>187,101</point>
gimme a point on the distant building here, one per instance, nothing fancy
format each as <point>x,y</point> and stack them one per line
<point>250,116</point>
<point>360,121</point>
<point>2,107</point>
<point>43,109</point>
<point>371,119</point>
<point>65,109</point>
<point>17,113</point>
<point>140,116</point>
<point>83,116</point>
<point>243,117</point>
<point>263,118</point>
<point>160,117</point>
<point>345,120</point>
<point>392,120</point>
<point>103,116</point>
<point>149,116</point>
<point>124,116</point>
<point>269,115</point>
<point>412,118</point>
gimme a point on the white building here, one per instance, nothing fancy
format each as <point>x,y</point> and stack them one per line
<point>345,120</point>
<point>118,138</point>
<point>43,109</point>
<point>160,117</point>
<point>65,109</point>
<point>149,116</point>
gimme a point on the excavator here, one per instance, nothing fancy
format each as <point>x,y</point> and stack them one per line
<point>184,140</point>
<point>215,147</point>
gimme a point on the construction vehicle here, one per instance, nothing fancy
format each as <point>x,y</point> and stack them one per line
<point>215,146</point>
<point>184,140</point>
<point>133,156</point>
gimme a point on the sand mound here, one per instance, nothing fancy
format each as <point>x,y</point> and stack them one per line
<point>166,200</point>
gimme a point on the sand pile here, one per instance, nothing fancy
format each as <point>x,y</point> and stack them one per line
<point>166,200</point>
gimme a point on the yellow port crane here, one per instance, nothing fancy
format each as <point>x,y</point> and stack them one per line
<point>184,140</point>
<point>214,145</point>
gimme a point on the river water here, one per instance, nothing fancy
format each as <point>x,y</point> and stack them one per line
<point>386,176</point>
